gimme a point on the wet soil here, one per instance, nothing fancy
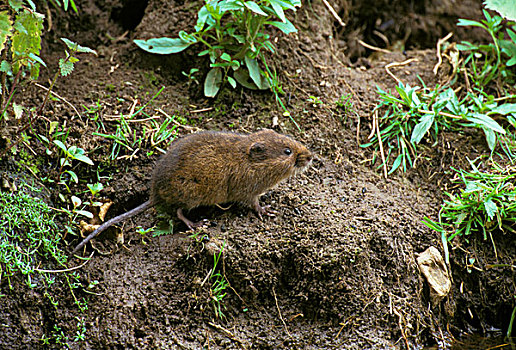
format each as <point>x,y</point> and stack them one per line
<point>335,268</point>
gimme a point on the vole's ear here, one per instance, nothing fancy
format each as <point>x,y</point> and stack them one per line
<point>257,151</point>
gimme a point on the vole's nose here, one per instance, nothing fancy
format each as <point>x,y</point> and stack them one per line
<point>303,159</point>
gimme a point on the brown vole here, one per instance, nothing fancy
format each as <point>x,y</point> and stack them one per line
<point>209,168</point>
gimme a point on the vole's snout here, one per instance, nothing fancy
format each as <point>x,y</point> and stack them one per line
<point>303,159</point>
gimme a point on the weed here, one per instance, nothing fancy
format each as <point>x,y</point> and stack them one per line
<point>485,202</point>
<point>485,60</point>
<point>218,286</point>
<point>127,140</point>
<point>29,236</point>
<point>418,112</point>
<point>345,103</point>
<point>233,33</point>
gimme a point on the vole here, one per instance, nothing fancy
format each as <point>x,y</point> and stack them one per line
<point>209,168</point>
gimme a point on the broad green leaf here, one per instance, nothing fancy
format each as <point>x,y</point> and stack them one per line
<point>278,10</point>
<point>231,5</point>
<point>65,67</point>
<point>286,27</point>
<point>491,208</point>
<point>486,121</point>
<point>37,59</point>
<point>425,123</point>
<point>251,5</point>
<point>5,67</point>
<point>232,82</point>
<point>243,78</point>
<point>290,5</point>
<point>61,145</point>
<point>255,73</point>
<point>504,109</point>
<point>490,138</point>
<point>84,213</point>
<point>506,8</point>
<point>81,157</point>
<point>78,48</point>
<point>225,57</point>
<point>27,41</point>
<point>16,5</point>
<point>6,25</point>
<point>163,46</point>
<point>212,82</point>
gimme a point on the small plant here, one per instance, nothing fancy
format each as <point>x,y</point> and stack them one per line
<point>20,38</point>
<point>485,202</point>
<point>218,286</point>
<point>485,61</point>
<point>345,102</point>
<point>144,232</point>
<point>232,32</point>
<point>127,140</point>
<point>418,112</point>
<point>29,236</point>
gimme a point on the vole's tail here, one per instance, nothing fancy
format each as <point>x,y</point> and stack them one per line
<point>113,221</point>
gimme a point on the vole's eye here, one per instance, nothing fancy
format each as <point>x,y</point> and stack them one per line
<point>288,151</point>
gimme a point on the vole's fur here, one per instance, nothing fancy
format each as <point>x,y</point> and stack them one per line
<point>209,168</point>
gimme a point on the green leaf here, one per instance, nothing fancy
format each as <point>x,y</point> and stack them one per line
<point>486,121</point>
<point>504,109</point>
<point>232,82</point>
<point>396,164</point>
<point>73,176</point>
<point>276,6</point>
<point>425,123</point>
<point>212,82</point>
<point>286,27</point>
<point>65,67</point>
<point>231,5</point>
<point>84,213</point>
<point>6,25</point>
<point>83,158</point>
<point>61,145</point>
<point>37,59</point>
<point>467,22</point>
<point>505,8</point>
<point>490,138</point>
<point>243,78</point>
<point>163,46</point>
<point>27,41</point>
<point>16,5</point>
<point>255,73</point>
<point>5,67</point>
<point>251,5</point>
<point>78,48</point>
<point>491,208</point>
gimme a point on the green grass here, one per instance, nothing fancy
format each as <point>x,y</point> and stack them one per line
<point>418,114</point>
<point>485,202</point>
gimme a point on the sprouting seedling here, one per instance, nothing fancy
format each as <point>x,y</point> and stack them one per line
<point>66,65</point>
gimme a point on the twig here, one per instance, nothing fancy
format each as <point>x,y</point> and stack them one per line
<point>397,64</point>
<point>70,269</point>
<point>111,118</point>
<point>279,312</point>
<point>439,56</point>
<point>335,15</point>
<point>374,48</point>
<point>202,110</point>
<point>381,144</point>
<point>59,97</point>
